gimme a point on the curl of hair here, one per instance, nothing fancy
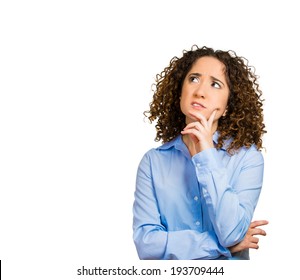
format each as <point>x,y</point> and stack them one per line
<point>243,123</point>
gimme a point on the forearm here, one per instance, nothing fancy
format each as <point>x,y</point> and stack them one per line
<point>154,243</point>
<point>230,207</point>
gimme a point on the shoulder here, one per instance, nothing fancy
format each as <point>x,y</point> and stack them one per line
<point>168,146</point>
<point>161,152</point>
<point>251,156</point>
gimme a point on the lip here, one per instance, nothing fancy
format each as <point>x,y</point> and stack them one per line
<point>197,105</point>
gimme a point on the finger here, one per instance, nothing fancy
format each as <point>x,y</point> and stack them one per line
<point>258,223</point>
<point>192,125</point>
<point>190,130</point>
<point>212,117</point>
<point>254,240</point>
<point>258,231</point>
<point>253,246</point>
<point>193,131</point>
<point>200,118</point>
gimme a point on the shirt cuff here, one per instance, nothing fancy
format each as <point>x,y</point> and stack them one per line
<point>207,160</point>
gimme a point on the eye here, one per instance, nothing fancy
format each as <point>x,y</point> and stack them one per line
<point>216,85</point>
<point>194,79</point>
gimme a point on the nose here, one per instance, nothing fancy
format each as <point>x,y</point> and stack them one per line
<point>200,91</point>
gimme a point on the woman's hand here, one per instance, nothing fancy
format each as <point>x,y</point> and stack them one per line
<point>200,133</point>
<point>250,241</point>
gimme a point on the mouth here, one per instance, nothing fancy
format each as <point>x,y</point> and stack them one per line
<point>197,105</point>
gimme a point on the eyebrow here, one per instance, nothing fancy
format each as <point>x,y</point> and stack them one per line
<point>214,78</point>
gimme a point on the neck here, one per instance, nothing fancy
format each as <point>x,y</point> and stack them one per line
<point>190,144</point>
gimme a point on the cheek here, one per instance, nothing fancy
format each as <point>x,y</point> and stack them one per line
<point>182,100</point>
<point>223,103</point>
<point>181,104</point>
<point>222,107</point>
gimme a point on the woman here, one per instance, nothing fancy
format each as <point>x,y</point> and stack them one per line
<point>196,194</point>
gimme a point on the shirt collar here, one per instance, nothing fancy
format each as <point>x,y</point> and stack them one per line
<point>178,143</point>
<point>225,144</point>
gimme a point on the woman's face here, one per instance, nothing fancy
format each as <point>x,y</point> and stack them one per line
<point>204,90</point>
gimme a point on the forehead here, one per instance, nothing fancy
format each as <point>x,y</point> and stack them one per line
<point>208,65</point>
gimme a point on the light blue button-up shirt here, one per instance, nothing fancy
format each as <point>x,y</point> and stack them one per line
<point>195,207</point>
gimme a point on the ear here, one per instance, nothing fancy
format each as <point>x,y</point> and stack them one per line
<point>225,112</point>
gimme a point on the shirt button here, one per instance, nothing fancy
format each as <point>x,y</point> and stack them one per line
<point>198,165</point>
<point>196,198</point>
<point>197,223</point>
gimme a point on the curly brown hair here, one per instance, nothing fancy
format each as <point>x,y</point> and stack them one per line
<point>243,122</point>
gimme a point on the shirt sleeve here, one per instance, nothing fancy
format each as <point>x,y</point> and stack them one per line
<point>230,207</point>
<point>151,237</point>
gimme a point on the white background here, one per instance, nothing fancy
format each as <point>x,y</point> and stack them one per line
<point>75,78</point>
